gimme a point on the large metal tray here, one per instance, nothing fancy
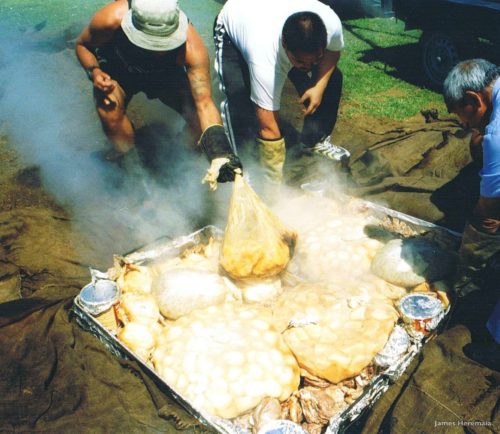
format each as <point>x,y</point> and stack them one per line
<point>165,248</point>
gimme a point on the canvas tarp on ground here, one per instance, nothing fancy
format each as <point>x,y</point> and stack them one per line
<point>55,377</point>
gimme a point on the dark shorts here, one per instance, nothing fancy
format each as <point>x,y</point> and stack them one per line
<point>171,85</point>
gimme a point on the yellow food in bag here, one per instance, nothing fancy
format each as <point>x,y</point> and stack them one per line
<point>256,243</point>
<point>332,330</point>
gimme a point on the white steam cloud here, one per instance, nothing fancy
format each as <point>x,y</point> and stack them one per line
<point>47,112</point>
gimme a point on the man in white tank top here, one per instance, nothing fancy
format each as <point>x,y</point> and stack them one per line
<point>259,44</point>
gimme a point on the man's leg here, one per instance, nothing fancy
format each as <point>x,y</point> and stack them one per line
<point>318,126</point>
<point>476,250</point>
<point>237,110</point>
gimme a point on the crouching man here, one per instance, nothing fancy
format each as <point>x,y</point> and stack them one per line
<point>258,44</point>
<point>472,91</point>
<point>152,47</point>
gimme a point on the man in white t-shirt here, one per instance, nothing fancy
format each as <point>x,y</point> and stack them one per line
<point>258,44</point>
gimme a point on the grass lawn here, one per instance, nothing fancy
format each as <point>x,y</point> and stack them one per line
<point>382,75</point>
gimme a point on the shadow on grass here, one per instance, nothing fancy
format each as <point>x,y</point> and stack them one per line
<point>404,61</point>
<point>400,61</point>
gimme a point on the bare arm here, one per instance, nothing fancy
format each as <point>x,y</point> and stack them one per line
<point>268,123</point>
<point>99,31</point>
<point>486,214</point>
<point>198,71</point>
<point>326,66</point>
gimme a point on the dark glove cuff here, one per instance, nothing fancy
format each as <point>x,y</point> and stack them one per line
<point>215,143</point>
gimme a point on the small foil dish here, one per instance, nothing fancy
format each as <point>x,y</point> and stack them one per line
<point>421,313</point>
<point>100,298</point>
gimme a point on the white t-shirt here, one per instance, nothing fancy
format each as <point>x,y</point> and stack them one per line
<point>255,27</point>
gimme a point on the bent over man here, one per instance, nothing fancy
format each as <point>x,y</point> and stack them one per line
<point>152,47</point>
<point>472,91</point>
<point>259,44</point>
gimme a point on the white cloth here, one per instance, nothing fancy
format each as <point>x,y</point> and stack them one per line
<point>255,27</point>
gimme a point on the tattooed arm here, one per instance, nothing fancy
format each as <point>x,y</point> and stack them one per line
<point>198,70</point>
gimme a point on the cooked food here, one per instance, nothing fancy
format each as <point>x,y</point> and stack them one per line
<point>412,261</point>
<point>198,257</point>
<point>139,338</point>
<point>179,291</point>
<point>256,244</point>
<point>336,248</point>
<point>141,308</point>
<point>260,290</point>
<point>333,334</point>
<point>134,278</point>
<point>225,359</point>
<point>235,334</point>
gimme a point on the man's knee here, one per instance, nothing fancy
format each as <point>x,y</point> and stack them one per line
<point>111,116</point>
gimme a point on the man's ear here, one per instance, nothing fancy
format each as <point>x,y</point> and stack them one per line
<point>476,99</point>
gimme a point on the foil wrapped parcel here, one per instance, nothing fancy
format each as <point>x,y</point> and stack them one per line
<point>397,345</point>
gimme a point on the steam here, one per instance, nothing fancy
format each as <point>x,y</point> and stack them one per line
<point>47,112</point>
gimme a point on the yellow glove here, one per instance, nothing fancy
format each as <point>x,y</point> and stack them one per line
<point>272,158</point>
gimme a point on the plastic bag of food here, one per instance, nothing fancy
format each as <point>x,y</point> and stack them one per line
<point>256,243</point>
<point>181,290</point>
<point>333,332</point>
<point>413,261</point>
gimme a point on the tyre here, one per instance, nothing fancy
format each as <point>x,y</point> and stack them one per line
<point>440,52</point>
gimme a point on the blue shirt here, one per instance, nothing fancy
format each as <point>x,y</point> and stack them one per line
<point>490,173</point>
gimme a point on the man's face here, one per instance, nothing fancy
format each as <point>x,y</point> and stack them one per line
<point>473,113</point>
<point>305,61</point>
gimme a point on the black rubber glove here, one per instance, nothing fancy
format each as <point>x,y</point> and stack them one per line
<point>215,144</point>
<point>229,170</point>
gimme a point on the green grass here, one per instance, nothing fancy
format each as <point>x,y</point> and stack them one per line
<point>382,73</point>
<point>380,62</point>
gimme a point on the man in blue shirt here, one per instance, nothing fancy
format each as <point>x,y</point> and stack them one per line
<point>472,91</point>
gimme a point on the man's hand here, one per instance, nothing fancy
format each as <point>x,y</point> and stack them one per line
<point>224,164</point>
<point>314,96</point>
<point>103,83</point>
<point>229,169</point>
<point>222,169</point>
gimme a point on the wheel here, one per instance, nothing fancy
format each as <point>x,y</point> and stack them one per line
<point>440,53</point>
